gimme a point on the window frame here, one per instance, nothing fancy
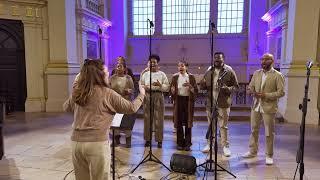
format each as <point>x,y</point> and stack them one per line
<point>213,15</point>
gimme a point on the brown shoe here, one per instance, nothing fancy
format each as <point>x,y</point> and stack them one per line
<point>128,142</point>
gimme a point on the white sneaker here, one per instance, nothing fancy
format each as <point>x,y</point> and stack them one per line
<point>206,149</point>
<point>269,160</point>
<point>226,151</point>
<point>249,155</point>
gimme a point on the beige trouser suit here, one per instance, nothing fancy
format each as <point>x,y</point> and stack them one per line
<point>272,84</point>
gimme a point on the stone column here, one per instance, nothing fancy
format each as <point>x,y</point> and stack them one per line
<point>119,29</point>
<point>271,43</point>
<point>284,31</point>
<point>256,34</point>
<point>301,46</point>
<point>36,55</point>
<point>63,61</point>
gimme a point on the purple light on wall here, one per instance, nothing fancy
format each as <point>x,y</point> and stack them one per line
<point>266,17</point>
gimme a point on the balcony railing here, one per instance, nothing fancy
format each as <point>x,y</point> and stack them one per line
<point>95,6</point>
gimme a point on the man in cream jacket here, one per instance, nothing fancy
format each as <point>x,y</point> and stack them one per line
<point>266,87</point>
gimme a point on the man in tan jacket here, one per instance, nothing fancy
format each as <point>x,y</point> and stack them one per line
<point>266,86</point>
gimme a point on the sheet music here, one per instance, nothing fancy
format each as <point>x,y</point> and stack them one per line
<point>116,122</point>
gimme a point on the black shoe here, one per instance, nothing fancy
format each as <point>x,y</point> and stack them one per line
<point>128,142</point>
<point>147,144</point>
<point>160,144</point>
<point>187,148</point>
<point>116,141</point>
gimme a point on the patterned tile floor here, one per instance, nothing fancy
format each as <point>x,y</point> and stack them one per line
<point>37,147</point>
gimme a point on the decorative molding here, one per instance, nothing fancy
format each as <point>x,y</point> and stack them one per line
<point>277,15</point>
<point>88,21</point>
<point>189,37</point>
<point>28,11</point>
<point>29,2</point>
<point>62,69</point>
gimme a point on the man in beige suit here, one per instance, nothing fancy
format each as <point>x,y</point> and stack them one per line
<point>266,86</point>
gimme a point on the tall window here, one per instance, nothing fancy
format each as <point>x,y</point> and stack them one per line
<point>142,11</point>
<point>230,16</point>
<point>185,16</point>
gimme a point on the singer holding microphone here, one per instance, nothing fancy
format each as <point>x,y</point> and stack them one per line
<point>224,82</point>
<point>266,87</point>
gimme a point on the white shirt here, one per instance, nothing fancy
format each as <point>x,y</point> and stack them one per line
<point>263,80</point>
<point>183,90</point>
<point>155,76</point>
<point>215,84</point>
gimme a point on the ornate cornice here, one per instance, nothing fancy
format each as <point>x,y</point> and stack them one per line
<point>30,11</point>
<point>277,16</point>
<point>89,21</point>
<point>29,2</point>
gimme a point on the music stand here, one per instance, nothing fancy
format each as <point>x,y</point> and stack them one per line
<point>120,122</point>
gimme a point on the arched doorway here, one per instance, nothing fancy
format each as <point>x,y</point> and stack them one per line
<point>12,64</point>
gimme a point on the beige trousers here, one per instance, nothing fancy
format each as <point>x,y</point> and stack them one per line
<point>91,160</point>
<point>223,118</point>
<point>157,118</point>
<point>269,125</point>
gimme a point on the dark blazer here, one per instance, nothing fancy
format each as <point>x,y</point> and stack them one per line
<point>229,79</point>
<point>192,97</point>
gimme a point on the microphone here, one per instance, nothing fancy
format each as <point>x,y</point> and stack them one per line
<point>151,23</point>
<point>213,26</point>
<point>309,64</point>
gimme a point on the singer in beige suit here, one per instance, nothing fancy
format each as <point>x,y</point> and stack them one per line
<point>266,86</point>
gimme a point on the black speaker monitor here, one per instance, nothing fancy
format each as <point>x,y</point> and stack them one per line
<point>183,163</point>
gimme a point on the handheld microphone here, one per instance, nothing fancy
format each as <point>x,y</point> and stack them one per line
<point>151,23</point>
<point>213,26</point>
<point>309,64</point>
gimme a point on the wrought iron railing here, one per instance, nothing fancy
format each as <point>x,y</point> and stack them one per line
<point>95,6</point>
<point>240,96</point>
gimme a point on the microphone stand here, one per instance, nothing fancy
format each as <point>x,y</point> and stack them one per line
<point>303,107</point>
<point>150,156</point>
<point>100,42</point>
<point>207,165</point>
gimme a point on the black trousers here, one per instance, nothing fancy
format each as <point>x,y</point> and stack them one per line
<point>183,134</point>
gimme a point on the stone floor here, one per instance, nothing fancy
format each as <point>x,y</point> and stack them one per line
<point>37,147</point>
